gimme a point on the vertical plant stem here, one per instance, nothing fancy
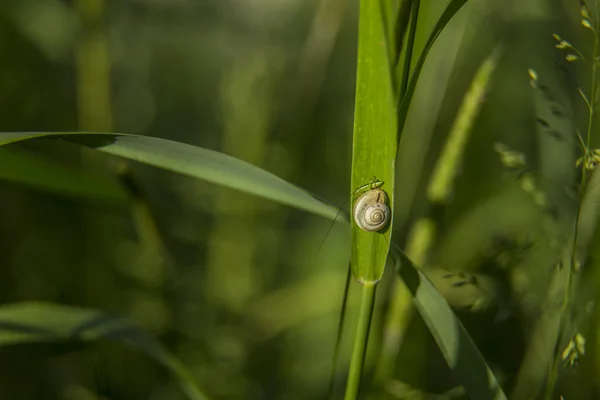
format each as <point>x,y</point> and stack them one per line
<point>360,341</point>
<point>235,238</point>
<point>593,94</point>
<point>566,305</point>
<point>92,68</point>
<point>338,339</point>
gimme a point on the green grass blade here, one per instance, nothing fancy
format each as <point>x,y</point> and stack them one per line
<point>457,347</point>
<point>452,8</point>
<point>338,335</point>
<point>36,322</point>
<point>374,139</point>
<point>193,161</point>
<point>34,172</point>
<point>373,155</point>
<point>410,44</point>
<point>403,14</point>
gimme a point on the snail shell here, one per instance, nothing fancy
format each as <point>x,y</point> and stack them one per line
<point>370,211</point>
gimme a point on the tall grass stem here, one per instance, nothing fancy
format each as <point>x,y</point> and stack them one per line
<point>360,341</point>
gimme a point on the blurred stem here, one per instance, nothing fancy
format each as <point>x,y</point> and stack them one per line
<point>316,53</point>
<point>93,69</point>
<point>360,341</point>
<point>232,276</point>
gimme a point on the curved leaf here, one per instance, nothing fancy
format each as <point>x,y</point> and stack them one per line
<point>457,347</point>
<point>193,161</point>
<point>36,322</point>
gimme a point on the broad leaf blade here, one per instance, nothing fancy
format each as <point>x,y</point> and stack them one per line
<point>35,322</point>
<point>457,347</point>
<point>193,161</point>
<point>374,139</point>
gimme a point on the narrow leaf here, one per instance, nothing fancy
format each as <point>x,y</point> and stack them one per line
<point>193,161</point>
<point>452,8</point>
<point>36,322</point>
<point>457,347</point>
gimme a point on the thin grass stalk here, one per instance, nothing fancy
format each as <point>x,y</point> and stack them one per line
<point>574,262</point>
<point>360,341</point>
<point>338,338</point>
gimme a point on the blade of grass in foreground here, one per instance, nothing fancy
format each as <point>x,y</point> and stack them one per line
<point>35,322</point>
<point>374,139</point>
<point>457,347</point>
<point>193,161</point>
<point>373,155</point>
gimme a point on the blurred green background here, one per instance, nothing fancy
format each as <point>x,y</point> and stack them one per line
<point>232,284</point>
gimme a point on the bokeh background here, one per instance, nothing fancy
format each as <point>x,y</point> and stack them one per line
<point>236,286</point>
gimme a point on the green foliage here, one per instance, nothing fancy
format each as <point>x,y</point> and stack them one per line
<point>34,322</point>
<point>456,345</point>
<point>493,255</point>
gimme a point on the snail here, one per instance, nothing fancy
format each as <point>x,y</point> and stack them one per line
<point>370,211</point>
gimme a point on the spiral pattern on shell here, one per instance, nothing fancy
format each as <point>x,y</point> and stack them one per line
<point>371,212</point>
